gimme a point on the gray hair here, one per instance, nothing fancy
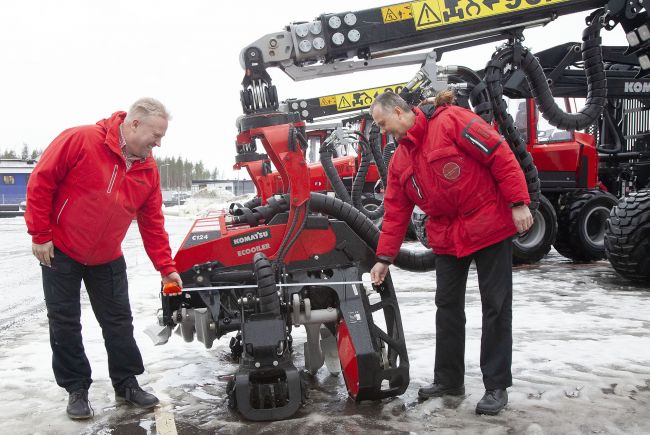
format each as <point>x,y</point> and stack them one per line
<point>389,100</point>
<point>145,107</point>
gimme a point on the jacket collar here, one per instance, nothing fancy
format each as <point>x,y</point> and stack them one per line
<point>112,128</point>
<point>415,135</point>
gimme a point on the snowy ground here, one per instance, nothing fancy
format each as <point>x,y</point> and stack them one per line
<point>581,360</point>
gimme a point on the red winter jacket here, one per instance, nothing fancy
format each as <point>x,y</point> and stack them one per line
<point>81,197</point>
<point>462,174</point>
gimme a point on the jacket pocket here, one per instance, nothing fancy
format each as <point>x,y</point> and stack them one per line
<point>482,136</point>
<point>119,278</point>
<point>61,263</point>
<point>412,186</point>
<point>447,164</point>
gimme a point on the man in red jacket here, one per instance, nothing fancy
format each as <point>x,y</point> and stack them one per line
<point>463,175</point>
<point>88,186</point>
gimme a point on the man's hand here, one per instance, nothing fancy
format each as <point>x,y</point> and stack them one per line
<point>378,272</point>
<point>44,253</point>
<point>173,277</point>
<point>177,284</point>
<point>522,218</point>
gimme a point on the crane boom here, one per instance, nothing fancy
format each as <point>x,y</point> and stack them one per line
<point>346,42</point>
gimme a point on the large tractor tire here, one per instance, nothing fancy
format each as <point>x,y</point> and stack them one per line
<point>267,291</point>
<point>535,244</point>
<point>627,240</point>
<point>582,220</point>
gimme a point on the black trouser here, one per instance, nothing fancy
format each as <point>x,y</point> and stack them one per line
<point>107,289</point>
<point>494,268</point>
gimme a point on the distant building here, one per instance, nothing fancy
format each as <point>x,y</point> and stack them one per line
<point>236,187</point>
<point>14,174</point>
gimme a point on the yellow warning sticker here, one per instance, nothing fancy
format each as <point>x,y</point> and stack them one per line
<point>394,13</point>
<point>357,99</point>
<point>433,13</point>
<point>343,103</point>
<point>327,101</point>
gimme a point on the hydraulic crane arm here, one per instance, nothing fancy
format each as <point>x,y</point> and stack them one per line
<point>372,38</point>
<point>405,27</point>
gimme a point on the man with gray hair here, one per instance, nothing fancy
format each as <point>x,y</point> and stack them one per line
<point>88,186</point>
<point>463,175</point>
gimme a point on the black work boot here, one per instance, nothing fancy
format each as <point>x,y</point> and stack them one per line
<point>130,392</point>
<point>78,406</point>
<point>493,402</point>
<point>439,390</point>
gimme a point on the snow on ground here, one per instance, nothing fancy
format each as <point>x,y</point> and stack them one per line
<point>581,361</point>
<point>198,206</point>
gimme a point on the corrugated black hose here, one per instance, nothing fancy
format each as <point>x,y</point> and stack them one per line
<point>332,175</point>
<point>360,224</point>
<point>596,97</point>
<point>360,181</point>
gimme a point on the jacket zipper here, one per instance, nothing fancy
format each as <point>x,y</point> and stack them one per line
<point>417,188</point>
<point>61,211</point>
<point>110,184</point>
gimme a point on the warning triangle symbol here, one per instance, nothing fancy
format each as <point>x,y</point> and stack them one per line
<point>344,103</point>
<point>428,16</point>
<point>390,16</point>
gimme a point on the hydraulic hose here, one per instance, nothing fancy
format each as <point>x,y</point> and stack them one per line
<point>416,261</point>
<point>375,147</point>
<point>333,175</point>
<point>360,181</point>
<point>596,97</point>
<point>592,57</point>
<point>252,203</point>
<point>360,224</point>
<point>479,95</point>
<point>262,213</point>
<point>493,74</point>
<point>387,155</point>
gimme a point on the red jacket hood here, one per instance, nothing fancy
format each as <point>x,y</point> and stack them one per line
<point>415,135</point>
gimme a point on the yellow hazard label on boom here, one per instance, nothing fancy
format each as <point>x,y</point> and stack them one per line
<point>358,99</point>
<point>394,13</point>
<point>433,13</point>
<point>327,101</point>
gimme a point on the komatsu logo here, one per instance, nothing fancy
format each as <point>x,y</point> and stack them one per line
<point>250,237</point>
<point>637,87</point>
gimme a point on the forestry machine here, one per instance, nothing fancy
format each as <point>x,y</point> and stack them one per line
<point>300,258</point>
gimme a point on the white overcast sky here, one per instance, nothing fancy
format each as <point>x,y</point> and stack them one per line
<point>72,62</point>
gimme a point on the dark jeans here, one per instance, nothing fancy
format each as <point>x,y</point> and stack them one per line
<point>107,289</point>
<point>494,268</point>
